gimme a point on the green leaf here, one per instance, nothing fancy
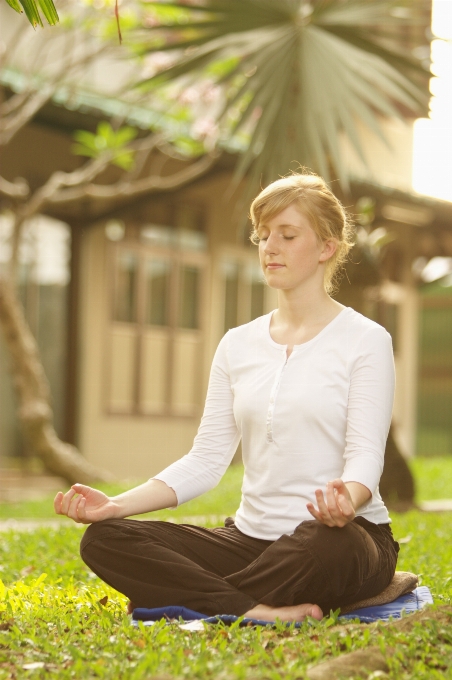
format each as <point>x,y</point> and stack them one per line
<point>85,138</point>
<point>81,150</point>
<point>93,145</point>
<point>124,160</point>
<point>15,5</point>
<point>125,135</point>
<point>32,12</point>
<point>49,11</point>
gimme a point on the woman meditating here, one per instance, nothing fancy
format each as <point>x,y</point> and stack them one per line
<point>308,389</point>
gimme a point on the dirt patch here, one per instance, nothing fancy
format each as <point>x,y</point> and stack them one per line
<point>361,663</point>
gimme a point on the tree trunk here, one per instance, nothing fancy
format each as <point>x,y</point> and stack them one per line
<point>397,485</point>
<point>34,398</point>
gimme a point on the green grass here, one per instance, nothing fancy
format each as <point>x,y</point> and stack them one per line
<point>433,477</point>
<point>57,623</point>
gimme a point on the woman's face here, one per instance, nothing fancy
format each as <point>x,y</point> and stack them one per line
<point>290,252</point>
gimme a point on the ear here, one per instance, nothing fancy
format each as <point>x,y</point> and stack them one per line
<point>329,248</point>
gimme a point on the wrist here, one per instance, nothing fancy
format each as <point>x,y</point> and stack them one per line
<point>358,494</point>
<point>117,508</point>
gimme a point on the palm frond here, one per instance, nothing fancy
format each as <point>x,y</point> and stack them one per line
<point>312,70</point>
<point>31,9</point>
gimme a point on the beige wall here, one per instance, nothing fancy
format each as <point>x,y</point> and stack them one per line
<point>388,163</point>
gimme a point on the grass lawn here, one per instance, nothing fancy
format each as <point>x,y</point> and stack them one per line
<point>52,624</point>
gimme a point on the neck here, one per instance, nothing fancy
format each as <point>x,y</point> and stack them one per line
<point>308,305</point>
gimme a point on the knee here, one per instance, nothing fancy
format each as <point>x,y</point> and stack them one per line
<point>346,548</point>
<point>96,533</point>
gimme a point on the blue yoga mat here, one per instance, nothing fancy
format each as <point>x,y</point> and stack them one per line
<point>404,604</point>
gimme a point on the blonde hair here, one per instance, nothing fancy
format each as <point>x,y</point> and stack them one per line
<point>316,201</point>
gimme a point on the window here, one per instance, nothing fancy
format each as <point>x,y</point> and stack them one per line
<point>125,297</point>
<point>189,297</point>
<point>245,293</point>
<point>156,330</point>
<point>157,283</point>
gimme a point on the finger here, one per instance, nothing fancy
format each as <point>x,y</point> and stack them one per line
<point>81,511</point>
<point>314,512</point>
<point>66,502</point>
<point>323,512</point>
<point>81,489</point>
<point>57,502</point>
<point>331,501</point>
<point>72,512</point>
<point>321,503</point>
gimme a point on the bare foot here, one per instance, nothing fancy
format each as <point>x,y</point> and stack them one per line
<point>298,613</point>
<point>130,607</point>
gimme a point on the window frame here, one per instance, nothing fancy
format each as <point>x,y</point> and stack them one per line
<point>177,258</point>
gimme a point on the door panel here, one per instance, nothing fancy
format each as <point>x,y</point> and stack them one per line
<point>185,378</point>
<point>154,369</point>
<point>122,370</point>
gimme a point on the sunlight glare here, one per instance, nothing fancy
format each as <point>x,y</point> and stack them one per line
<point>432,144</point>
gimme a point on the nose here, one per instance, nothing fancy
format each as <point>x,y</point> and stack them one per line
<point>271,244</point>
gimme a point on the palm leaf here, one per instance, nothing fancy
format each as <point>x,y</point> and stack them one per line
<point>314,70</point>
<point>32,12</point>
<point>15,5</point>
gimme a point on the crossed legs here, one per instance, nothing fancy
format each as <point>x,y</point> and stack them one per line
<point>222,571</point>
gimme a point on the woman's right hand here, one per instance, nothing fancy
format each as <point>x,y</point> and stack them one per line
<point>85,505</point>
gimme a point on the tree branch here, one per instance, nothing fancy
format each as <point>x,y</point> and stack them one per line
<point>11,125</point>
<point>33,393</point>
<point>125,189</point>
<point>17,111</point>
<point>18,189</point>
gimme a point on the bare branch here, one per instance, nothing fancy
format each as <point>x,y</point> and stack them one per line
<point>13,124</point>
<point>126,189</point>
<point>170,151</point>
<point>13,103</point>
<point>17,189</point>
<point>144,148</point>
<point>61,181</point>
<point>45,194</point>
<point>18,112</point>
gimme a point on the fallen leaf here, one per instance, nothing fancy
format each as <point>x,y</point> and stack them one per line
<point>139,643</point>
<point>7,625</point>
<point>103,601</point>
<point>27,570</point>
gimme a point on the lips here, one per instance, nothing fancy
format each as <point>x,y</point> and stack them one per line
<point>274,265</point>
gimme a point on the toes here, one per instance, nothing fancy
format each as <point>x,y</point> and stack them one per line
<point>315,613</point>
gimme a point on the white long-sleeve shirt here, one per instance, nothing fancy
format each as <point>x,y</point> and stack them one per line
<point>322,413</point>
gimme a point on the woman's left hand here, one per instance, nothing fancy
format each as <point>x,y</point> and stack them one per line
<point>335,509</point>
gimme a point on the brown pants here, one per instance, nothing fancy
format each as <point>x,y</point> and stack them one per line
<point>223,571</point>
